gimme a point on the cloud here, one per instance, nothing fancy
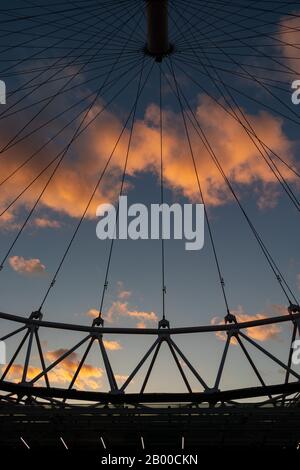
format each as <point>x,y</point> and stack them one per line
<point>278,309</point>
<point>8,222</point>
<point>16,371</point>
<point>123,294</point>
<point>261,333</point>
<point>61,375</point>
<point>267,197</point>
<point>92,313</point>
<point>72,185</point>
<point>112,345</point>
<point>89,378</point>
<point>121,379</point>
<point>43,222</point>
<point>237,153</point>
<point>121,309</point>
<point>146,316</point>
<point>29,267</point>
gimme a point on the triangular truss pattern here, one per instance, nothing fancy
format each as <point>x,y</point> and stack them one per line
<point>233,330</point>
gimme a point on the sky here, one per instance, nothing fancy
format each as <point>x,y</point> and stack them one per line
<point>230,59</point>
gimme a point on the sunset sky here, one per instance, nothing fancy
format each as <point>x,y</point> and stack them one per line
<point>134,297</point>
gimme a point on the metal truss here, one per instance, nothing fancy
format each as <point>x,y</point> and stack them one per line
<point>27,390</point>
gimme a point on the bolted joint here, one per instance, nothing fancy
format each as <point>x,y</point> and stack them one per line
<point>96,335</point>
<point>293,309</point>
<point>36,315</point>
<point>98,322</point>
<point>230,318</point>
<point>163,323</point>
<point>233,333</point>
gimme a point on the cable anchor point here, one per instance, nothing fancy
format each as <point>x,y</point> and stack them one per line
<point>230,318</point>
<point>36,315</point>
<point>98,321</point>
<point>163,323</point>
<point>293,308</point>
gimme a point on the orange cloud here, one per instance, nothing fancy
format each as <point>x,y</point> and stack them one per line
<point>260,333</point>
<point>89,378</point>
<point>29,267</point>
<point>71,188</point>
<point>121,309</point>
<point>118,309</point>
<point>8,221</point>
<point>61,376</point>
<point>43,222</point>
<point>16,371</point>
<point>112,345</point>
<point>237,153</point>
<point>147,316</point>
<point>92,313</point>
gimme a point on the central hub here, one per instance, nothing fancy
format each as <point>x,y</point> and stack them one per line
<point>158,44</point>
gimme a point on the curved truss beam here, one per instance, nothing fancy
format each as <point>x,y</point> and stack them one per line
<point>134,398</point>
<point>150,331</point>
